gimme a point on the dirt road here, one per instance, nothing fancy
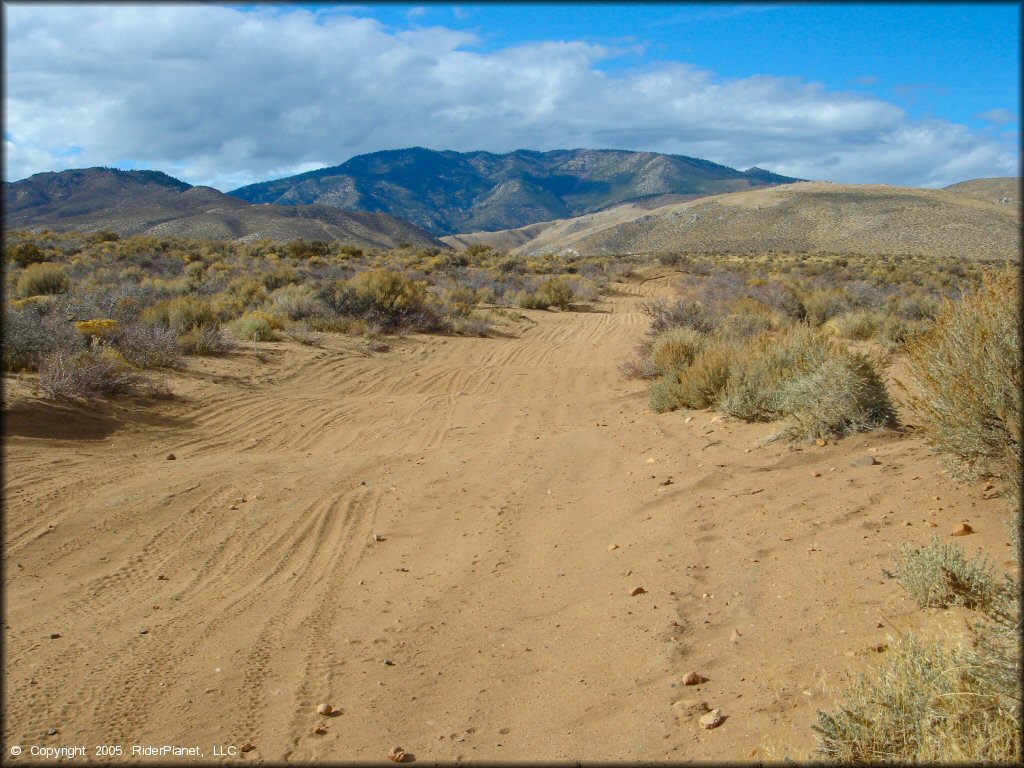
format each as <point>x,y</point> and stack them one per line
<point>422,537</point>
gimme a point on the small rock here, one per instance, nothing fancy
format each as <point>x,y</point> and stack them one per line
<point>52,731</point>
<point>388,663</point>
<point>821,442</point>
<point>378,537</point>
<point>319,730</point>
<point>247,747</point>
<point>688,419</point>
<point>324,709</point>
<point>712,719</point>
<point>907,522</point>
<point>666,481</point>
<point>962,530</point>
<point>693,678</point>
<point>734,637</point>
<point>143,631</point>
<point>637,591</point>
<point>987,487</point>
<point>612,547</point>
<point>864,461</point>
<point>171,457</point>
<point>161,578</point>
<point>752,753</point>
<point>815,474</point>
<point>396,754</point>
<point>932,524</point>
<point>651,460</point>
<point>54,635</point>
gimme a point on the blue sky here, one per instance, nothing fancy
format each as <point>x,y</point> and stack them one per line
<point>227,94</point>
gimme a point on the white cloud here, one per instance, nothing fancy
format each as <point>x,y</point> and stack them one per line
<point>997,116</point>
<point>224,97</point>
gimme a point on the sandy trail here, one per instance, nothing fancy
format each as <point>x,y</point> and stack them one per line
<point>491,622</point>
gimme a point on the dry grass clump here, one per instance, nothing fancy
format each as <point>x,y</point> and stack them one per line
<point>87,375</point>
<point>43,279</point>
<point>938,576</point>
<point>969,369</point>
<point>147,346</point>
<point>797,373</point>
<point>932,703</point>
<point>675,349</point>
<point>254,326</point>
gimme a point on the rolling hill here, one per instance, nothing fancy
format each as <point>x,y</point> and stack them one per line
<point>803,217</point>
<point>153,203</point>
<point>447,192</point>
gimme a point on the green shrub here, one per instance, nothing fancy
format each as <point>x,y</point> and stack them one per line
<point>844,395</point>
<point>664,394</point>
<point>938,576</point>
<point>24,254</point>
<point>253,326</point>
<point>43,279</point>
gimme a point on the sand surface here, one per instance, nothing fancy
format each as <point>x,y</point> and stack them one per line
<point>492,621</point>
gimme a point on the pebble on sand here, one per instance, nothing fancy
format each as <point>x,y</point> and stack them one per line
<point>637,591</point>
<point>962,530</point>
<point>712,719</point>
<point>396,754</point>
<point>247,747</point>
<point>324,709</point>
<point>734,637</point>
<point>171,457</point>
<point>612,547</point>
<point>319,730</point>
<point>54,635</point>
<point>694,678</point>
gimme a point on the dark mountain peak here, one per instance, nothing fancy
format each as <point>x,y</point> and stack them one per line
<point>448,191</point>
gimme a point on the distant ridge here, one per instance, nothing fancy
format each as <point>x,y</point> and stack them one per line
<point>153,203</point>
<point>447,192</point>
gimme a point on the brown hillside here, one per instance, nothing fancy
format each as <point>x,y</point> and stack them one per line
<point>814,217</point>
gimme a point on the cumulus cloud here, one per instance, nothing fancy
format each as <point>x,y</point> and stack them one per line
<point>220,96</point>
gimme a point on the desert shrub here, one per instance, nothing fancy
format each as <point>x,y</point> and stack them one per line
<point>761,366</point>
<point>821,306</point>
<point>700,384</point>
<point>100,328</point>
<point>933,702</point>
<point>253,326</point>
<point>938,576</point>
<point>969,369</point>
<point>460,300</point>
<point>87,374</point>
<point>675,349</point>
<point>859,324</point>
<point>678,314</point>
<point>639,364</point>
<point>844,395</point>
<point>205,340</point>
<point>916,307</point>
<point>30,335</point>
<point>530,299</point>
<point>557,292</point>
<point>278,277</point>
<point>664,395</point>
<point>147,346</point>
<point>296,302</point>
<point>182,314</point>
<point>469,325</point>
<point>43,279</point>
<point>24,254</point>
<point>390,296</point>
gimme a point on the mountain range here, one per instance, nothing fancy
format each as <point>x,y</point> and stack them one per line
<point>153,203</point>
<point>449,192</point>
